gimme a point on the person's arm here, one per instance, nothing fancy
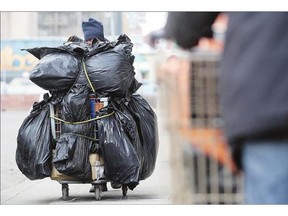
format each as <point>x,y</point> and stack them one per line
<point>186,28</point>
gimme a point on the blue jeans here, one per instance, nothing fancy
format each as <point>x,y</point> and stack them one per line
<point>265,165</point>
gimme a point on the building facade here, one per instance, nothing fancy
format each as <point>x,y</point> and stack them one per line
<point>23,25</point>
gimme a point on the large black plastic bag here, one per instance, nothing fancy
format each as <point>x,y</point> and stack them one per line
<point>35,143</point>
<point>124,46</point>
<point>76,108</point>
<point>110,68</point>
<point>146,120</point>
<point>110,73</point>
<point>130,128</point>
<point>121,162</point>
<point>74,145</point>
<point>76,104</point>
<point>72,156</point>
<point>56,71</point>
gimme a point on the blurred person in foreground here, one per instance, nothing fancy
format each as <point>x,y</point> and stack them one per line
<point>253,90</point>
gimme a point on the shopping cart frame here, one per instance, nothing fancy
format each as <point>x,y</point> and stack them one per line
<point>97,165</point>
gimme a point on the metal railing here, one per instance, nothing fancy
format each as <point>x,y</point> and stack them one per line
<point>203,171</point>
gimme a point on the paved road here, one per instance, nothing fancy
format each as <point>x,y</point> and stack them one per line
<point>17,189</point>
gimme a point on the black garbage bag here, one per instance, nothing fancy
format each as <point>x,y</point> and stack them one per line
<point>129,126</point>
<point>76,104</point>
<point>74,144</point>
<point>75,107</point>
<point>55,71</point>
<point>110,69</point>
<point>35,143</point>
<point>121,162</point>
<point>124,46</point>
<point>110,74</point>
<point>40,52</point>
<point>146,121</point>
<point>76,48</point>
<point>72,156</point>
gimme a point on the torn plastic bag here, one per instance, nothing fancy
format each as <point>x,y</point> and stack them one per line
<point>40,52</point>
<point>146,120</point>
<point>121,161</point>
<point>35,143</point>
<point>75,107</point>
<point>75,48</point>
<point>55,71</point>
<point>72,156</point>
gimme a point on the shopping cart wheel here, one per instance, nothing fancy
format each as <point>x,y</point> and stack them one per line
<point>65,191</point>
<point>98,192</point>
<point>124,190</point>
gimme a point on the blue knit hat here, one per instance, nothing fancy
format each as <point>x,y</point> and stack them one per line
<point>93,29</point>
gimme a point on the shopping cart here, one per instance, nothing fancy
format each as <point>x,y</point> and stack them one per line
<point>95,159</point>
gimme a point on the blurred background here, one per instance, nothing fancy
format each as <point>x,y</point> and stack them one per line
<point>21,30</point>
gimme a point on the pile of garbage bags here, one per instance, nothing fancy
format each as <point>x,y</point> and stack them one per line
<point>126,136</point>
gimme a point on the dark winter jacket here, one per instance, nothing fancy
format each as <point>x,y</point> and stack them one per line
<point>253,84</point>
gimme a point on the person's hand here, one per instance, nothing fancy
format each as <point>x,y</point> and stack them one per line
<point>152,38</point>
<point>74,38</point>
<point>89,42</point>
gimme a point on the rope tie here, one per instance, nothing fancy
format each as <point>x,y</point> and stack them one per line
<point>82,122</point>
<point>87,76</point>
